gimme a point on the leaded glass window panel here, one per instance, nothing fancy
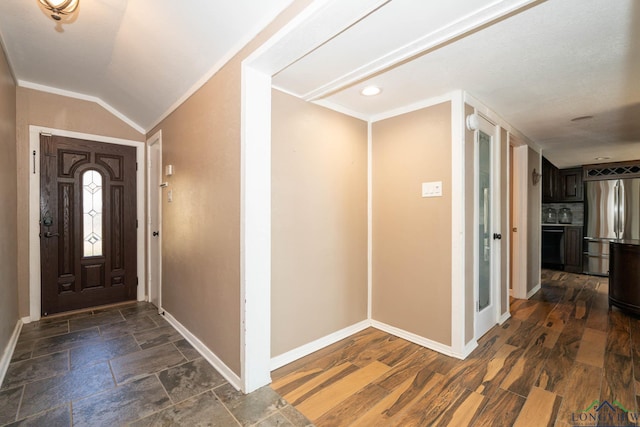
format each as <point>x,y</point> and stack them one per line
<point>92,213</point>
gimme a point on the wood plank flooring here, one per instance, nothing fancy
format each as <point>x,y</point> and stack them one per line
<point>560,352</point>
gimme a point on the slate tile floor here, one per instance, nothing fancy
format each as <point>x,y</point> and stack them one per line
<point>124,366</point>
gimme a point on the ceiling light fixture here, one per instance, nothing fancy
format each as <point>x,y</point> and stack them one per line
<point>603,158</point>
<point>60,7</point>
<point>370,91</point>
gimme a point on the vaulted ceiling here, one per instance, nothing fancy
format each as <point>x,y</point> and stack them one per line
<point>138,58</point>
<point>539,64</point>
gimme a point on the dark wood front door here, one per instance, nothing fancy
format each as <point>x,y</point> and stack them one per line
<point>87,223</point>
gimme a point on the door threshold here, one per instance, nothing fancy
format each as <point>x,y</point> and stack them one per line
<point>90,309</point>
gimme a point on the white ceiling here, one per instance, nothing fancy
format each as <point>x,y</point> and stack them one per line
<point>138,58</point>
<point>536,63</point>
<point>546,64</point>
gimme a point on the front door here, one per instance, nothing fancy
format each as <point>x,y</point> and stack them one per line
<point>87,223</point>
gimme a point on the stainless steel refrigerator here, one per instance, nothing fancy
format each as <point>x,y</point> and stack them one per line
<point>612,212</point>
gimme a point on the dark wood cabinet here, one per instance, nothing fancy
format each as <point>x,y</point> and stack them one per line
<point>573,249</point>
<point>561,185</point>
<point>624,276</point>
<point>549,181</point>
<point>570,185</point>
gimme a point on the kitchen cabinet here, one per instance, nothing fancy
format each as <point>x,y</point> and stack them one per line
<point>561,185</point>
<point>624,275</point>
<point>570,185</point>
<point>549,181</point>
<point>573,249</point>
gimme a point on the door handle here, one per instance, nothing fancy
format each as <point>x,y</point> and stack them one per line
<point>49,234</point>
<point>497,236</point>
<point>156,233</point>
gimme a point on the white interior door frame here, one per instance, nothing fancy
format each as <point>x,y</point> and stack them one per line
<point>520,220</point>
<point>153,185</point>
<point>34,209</point>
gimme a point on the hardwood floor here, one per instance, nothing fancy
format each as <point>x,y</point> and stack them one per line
<point>556,361</point>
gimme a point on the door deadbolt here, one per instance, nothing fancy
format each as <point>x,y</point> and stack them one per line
<point>497,236</point>
<point>156,233</point>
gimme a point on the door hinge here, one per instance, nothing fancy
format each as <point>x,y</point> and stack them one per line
<point>136,223</point>
<point>478,306</point>
<point>137,282</point>
<point>136,166</point>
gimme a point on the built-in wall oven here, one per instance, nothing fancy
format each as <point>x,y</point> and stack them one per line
<point>553,247</point>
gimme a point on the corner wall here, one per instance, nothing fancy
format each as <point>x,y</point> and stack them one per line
<point>8,214</point>
<point>411,234</point>
<point>201,258</point>
<point>59,112</point>
<point>319,222</point>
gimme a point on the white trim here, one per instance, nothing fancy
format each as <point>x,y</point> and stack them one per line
<point>469,347</point>
<point>533,291</point>
<point>34,209</point>
<point>255,229</point>
<point>319,22</point>
<point>83,97</point>
<point>320,343</point>
<point>369,220</point>
<point>417,339</point>
<point>458,215</point>
<point>210,356</point>
<point>504,317</point>
<point>460,28</point>
<point>414,107</point>
<point>155,139</point>
<point>7,354</point>
<point>26,320</point>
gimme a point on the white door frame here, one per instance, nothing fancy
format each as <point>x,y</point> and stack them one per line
<point>519,206</point>
<point>155,142</point>
<point>484,125</point>
<point>33,163</point>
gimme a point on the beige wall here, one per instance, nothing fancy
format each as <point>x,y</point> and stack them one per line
<point>8,212</point>
<point>319,222</point>
<point>411,234</point>
<point>533,222</point>
<point>57,112</point>
<point>201,227</point>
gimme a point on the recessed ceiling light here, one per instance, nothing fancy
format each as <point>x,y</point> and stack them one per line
<point>370,91</point>
<point>603,158</point>
<point>581,118</point>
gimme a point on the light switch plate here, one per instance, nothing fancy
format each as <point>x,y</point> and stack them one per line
<point>432,189</point>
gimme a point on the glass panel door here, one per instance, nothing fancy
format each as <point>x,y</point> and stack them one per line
<point>484,223</point>
<point>487,258</point>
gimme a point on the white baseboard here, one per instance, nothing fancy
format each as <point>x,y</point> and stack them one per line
<point>305,350</point>
<point>417,339</point>
<point>26,320</point>
<point>210,356</point>
<point>534,290</point>
<point>505,316</point>
<point>468,348</point>
<point>8,351</point>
